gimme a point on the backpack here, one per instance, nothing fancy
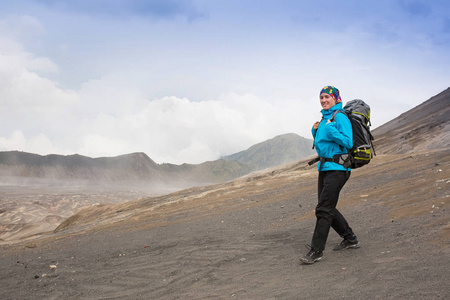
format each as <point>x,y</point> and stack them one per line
<point>358,112</point>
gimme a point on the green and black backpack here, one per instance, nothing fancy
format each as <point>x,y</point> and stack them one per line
<point>363,151</point>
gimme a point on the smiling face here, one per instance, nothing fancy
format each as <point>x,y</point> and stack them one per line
<point>327,101</point>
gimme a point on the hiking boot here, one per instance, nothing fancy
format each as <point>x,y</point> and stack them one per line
<point>347,244</point>
<point>311,257</point>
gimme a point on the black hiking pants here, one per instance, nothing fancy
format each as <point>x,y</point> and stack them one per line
<point>329,186</point>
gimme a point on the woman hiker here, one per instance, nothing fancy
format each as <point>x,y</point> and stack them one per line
<point>330,138</point>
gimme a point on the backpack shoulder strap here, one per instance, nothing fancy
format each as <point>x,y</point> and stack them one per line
<point>335,113</point>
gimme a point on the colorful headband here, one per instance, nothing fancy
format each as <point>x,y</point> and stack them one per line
<point>333,92</point>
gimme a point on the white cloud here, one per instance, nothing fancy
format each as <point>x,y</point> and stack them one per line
<point>98,145</point>
<point>42,144</point>
<point>179,130</point>
<point>32,105</point>
<point>39,144</point>
<point>16,141</point>
<point>111,94</point>
<point>110,116</point>
<point>29,101</point>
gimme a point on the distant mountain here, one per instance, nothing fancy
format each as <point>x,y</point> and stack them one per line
<point>425,127</point>
<point>280,150</point>
<point>139,167</point>
<point>128,167</point>
<point>208,172</point>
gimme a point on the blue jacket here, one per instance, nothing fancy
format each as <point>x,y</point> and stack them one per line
<point>333,138</point>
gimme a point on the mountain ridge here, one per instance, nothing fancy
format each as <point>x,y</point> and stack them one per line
<point>139,166</point>
<point>277,151</point>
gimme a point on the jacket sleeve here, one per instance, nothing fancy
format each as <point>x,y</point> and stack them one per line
<point>340,131</point>
<point>313,131</point>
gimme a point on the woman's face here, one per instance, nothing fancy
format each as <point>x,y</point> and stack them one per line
<point>327,101</point>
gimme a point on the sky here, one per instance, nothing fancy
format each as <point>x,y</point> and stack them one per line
<point>189,81</point>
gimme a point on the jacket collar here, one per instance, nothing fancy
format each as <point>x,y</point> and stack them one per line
<point>329,112</point>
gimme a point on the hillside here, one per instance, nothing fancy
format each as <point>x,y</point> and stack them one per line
<point>280,150</point>
<point>424,127</point>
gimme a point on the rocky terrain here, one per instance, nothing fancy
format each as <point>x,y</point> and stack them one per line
<point>242,239</point>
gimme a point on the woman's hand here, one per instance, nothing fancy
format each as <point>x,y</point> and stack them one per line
<point>316,125</point>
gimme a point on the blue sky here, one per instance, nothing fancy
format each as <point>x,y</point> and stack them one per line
<point>190,81</point>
